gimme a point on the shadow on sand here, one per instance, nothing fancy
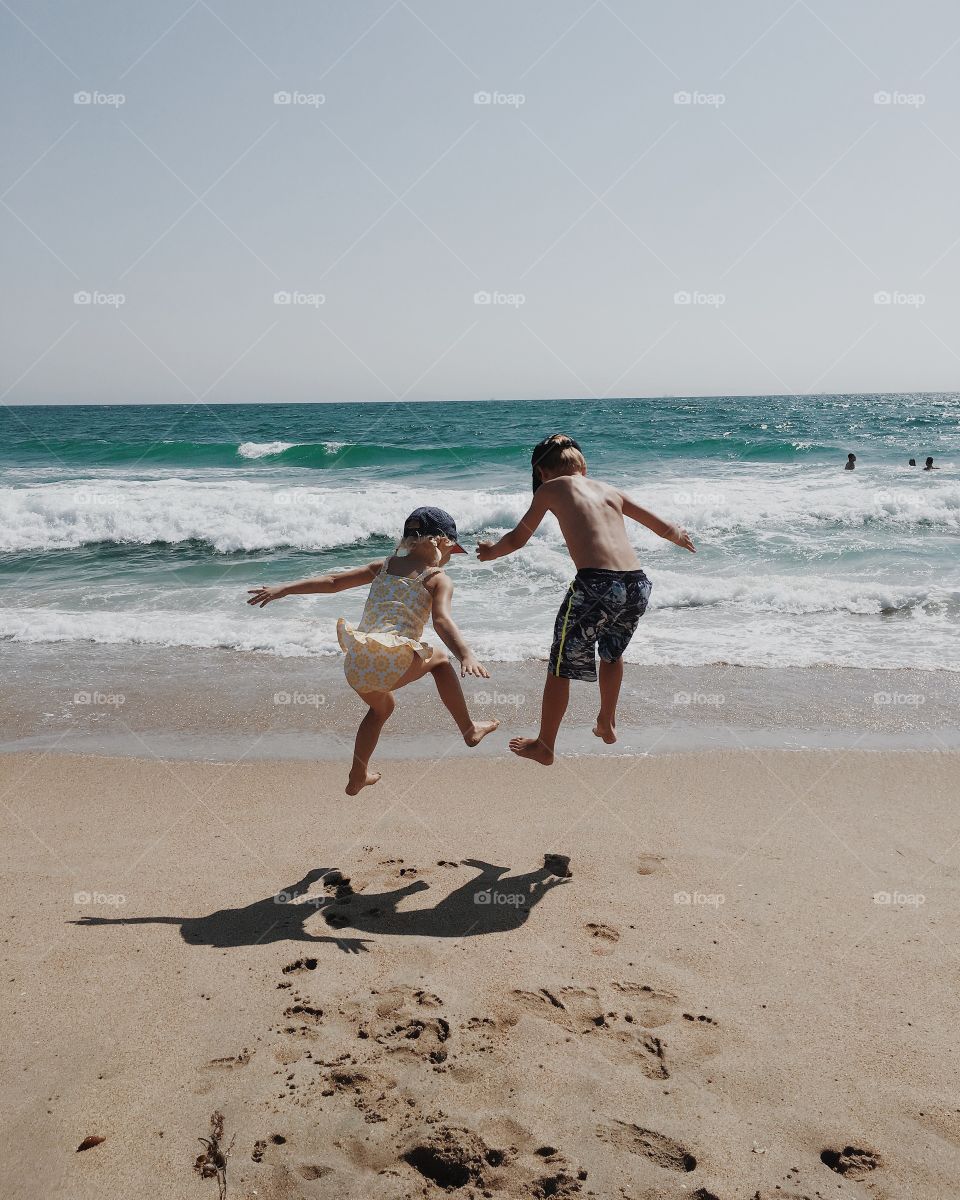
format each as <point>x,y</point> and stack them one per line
<point>492,901</point>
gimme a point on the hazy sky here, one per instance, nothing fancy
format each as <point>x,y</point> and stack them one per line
<point>583,199</point>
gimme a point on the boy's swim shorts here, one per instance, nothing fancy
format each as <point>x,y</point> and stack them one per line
<point>600,610</point>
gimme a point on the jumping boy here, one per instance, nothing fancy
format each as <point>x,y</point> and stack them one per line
<point>606,599</point>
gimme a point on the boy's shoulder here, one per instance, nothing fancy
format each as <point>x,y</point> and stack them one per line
<point>570,485</point>
<point>560,486</point>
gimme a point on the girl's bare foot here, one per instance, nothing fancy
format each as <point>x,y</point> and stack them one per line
<point>478,731</point>
<point>532,748</point>
<point>605,730</point>
<point>355,785</point>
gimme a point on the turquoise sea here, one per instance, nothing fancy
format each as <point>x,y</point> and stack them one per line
<point>145,524</point>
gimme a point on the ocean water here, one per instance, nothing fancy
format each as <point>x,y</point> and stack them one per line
<point>144,525</point>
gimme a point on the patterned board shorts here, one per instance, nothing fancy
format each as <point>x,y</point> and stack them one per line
<point>600,610</point>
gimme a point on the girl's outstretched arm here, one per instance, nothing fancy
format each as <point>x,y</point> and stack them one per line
<point>441,589</point>
<point>337,581</point>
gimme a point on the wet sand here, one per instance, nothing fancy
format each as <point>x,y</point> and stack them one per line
<point>221,705</point>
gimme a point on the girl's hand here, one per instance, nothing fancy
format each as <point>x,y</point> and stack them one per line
<point>681,538</point>
<point>263,595</point>
<point>484,551</point>
<point>470,666</point>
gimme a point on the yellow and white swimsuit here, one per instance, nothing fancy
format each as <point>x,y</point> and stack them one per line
<point>381,649</point>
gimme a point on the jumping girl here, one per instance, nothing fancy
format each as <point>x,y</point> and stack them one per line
<point>386,651</point>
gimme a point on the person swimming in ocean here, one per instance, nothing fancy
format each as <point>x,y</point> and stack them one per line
<point>928,465</point>
<point>851,463</point>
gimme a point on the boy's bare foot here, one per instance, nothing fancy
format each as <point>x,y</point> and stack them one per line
<point>479,731</point>
<point>532,748</point>
<point>605,730</point>
<point>356,785</point>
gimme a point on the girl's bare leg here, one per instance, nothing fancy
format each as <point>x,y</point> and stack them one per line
<point>381,706</point>
<point>451,693</point>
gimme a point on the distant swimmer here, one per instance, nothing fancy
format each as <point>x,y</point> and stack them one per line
<point>928,465</point>
<point>851,463</point>
<point>912,462</point>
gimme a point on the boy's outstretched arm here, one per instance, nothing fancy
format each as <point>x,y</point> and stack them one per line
<point>337,581</point>
<point>447,631</point>
<point>522,532</point>
<point>672,533</point>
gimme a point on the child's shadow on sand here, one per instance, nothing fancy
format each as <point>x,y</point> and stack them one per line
<point>493,901</point>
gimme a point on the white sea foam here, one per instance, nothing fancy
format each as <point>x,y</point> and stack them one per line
<point>236,514</point>
<point>232,515</point>
<point>263,449</point>
<point>798,567</point>
<point>665,637</point>
<point>222,629</point>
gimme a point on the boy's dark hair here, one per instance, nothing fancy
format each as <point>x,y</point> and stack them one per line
<point>557,450</point>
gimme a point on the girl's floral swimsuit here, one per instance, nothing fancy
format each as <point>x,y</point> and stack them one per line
<point>381,649</point>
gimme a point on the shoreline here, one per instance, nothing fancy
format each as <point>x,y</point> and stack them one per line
<point>222,704</point>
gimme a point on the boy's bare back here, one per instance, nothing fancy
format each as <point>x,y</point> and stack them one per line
<point>590,514</point>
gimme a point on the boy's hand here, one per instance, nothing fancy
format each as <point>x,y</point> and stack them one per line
<point>471,666</point>
<point>484,551</point>
<point>263,595</point>
<point>681,538</point>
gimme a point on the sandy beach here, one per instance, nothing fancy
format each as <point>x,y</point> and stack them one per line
<point>746,987</point>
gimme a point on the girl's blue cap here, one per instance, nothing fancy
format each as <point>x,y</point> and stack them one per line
<point>433,522</point>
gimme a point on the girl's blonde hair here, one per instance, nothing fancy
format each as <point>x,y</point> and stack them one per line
<point>414,540</point>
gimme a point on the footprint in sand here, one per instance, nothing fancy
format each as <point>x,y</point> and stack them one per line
<point>852,1162</point>
<point>452,1158</point>
<point>231,1061</point>
<point>649,864</point>
<point>604,936</point>
<point>301,964</point>
<point>580,1010</point>
<point>306,1014</point>
<point>621,1016</point>
<point>657,1147</point>
<point>700,1019</point>
<point>403,1020</point>
<point>649,1007</point>
<point>313,1170</point>
<point>481,1034</point>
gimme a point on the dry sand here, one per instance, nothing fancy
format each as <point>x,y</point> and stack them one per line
<point>752,968</point>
